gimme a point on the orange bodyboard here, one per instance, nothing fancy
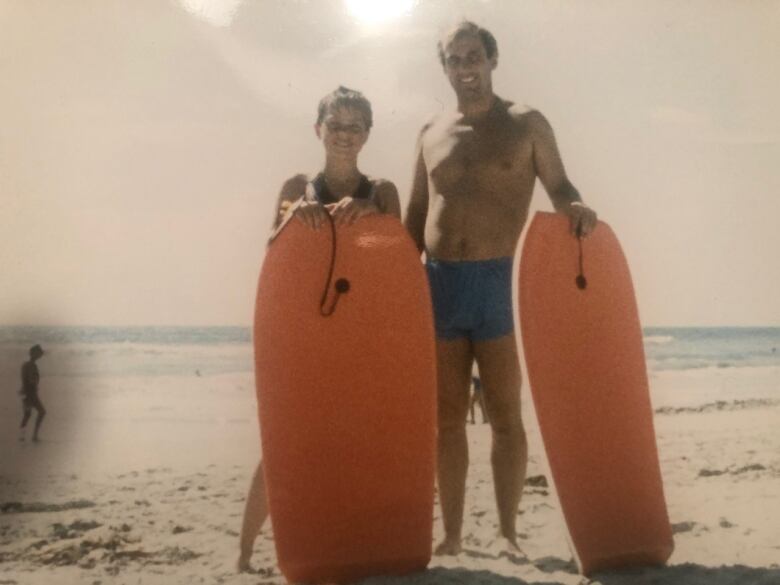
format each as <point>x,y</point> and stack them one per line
<point>347,402</point>
<point>586,367</point>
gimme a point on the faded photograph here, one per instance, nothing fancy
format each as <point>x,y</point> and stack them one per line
<point>413,292</point>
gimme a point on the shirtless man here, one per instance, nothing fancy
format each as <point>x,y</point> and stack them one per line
<point>474,177</point>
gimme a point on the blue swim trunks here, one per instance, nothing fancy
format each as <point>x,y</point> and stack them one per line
<point>471,298</point>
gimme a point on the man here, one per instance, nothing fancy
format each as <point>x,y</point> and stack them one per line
<point>475,172</point>
<point>30,399</point>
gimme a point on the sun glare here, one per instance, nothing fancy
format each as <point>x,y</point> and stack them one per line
<point>215,12</point>
<point>378,11</point>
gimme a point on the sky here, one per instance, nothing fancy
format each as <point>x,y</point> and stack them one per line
<point>143,144</point>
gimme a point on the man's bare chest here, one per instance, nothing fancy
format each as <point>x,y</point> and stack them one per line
<point>494,154</point>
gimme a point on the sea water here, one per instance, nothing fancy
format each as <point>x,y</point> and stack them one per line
<point>130,351</point>
<point>168,395</point>
<point>205,351</point>
<point>690,348</point>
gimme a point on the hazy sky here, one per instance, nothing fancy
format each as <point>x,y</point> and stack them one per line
<point>143,143</point>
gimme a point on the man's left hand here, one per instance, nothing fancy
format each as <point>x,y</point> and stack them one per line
<point>583,219</point>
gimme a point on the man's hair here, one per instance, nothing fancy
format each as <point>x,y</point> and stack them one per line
<point>466,27</point>
<point>344,97</point>
<point>36,350</point>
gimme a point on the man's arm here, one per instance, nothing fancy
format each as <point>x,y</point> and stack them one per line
<point>417,209</point>
<point>549,168</point>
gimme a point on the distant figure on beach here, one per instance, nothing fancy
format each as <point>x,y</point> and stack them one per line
<point>476,167</point>
<point>477,398</point>
<point>344,120</point>
<point>29,392</point>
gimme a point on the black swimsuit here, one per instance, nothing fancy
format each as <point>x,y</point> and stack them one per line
<point>323,195</point>
<point>317,190</point>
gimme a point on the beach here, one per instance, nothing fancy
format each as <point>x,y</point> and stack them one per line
<point>149,445</point>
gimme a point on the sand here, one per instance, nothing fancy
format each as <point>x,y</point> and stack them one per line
<point>143,480</point>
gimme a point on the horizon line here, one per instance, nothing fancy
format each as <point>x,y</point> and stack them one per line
<point>249,326</point>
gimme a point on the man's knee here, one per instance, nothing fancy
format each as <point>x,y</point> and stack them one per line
<point>508,427</point>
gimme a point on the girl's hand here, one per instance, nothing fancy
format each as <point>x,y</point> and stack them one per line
<point>348,210</point>
<point>311,213</point>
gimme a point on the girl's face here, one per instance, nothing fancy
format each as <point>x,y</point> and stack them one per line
<point>343,132</point>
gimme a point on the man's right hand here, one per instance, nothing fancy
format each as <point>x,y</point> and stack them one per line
<point>311,213</point>
<point>582,218</point>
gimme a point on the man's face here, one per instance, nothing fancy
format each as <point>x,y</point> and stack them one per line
<point>343,132</point>
<point>467,66</point>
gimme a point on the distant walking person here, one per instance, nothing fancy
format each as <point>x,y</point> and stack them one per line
<point>477,398</point>
<point>30,398</point>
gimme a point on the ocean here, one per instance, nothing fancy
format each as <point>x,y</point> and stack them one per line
<point>130,351</point>
<point>204,351</point>
<point>690,348</point>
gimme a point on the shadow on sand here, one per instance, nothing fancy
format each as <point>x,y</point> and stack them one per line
<point>691,574</point>
<point>684,574</point>
<point>445,576</point>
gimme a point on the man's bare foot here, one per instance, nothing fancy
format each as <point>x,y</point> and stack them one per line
<point>512,551</point>
<point>511,543</point>
<point>448,546</point>
<point>243,565</point>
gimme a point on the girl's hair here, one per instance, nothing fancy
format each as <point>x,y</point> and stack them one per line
<point>343,97</point>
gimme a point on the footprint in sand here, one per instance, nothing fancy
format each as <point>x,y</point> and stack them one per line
<point>694,527</point>
<point>72,530</point>
<point>711,472</point>
<point>730,471</point>
<point>21,508</point>
<point>537,481</point>
<point>681,527</point>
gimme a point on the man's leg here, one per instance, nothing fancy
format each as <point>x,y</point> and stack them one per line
<point>499,369</point>
<point>454,359</point>
<point>38,405</point>
<point>26,411</point>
